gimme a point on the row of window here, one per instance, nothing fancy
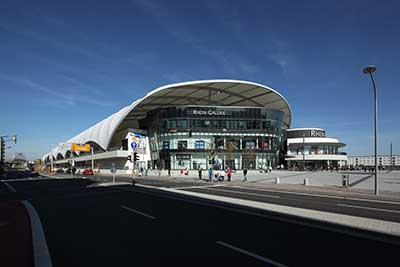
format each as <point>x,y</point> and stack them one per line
<point>220,144</point>
<point>314,150</point>
<point>210,112</point>
<point>219,124</point>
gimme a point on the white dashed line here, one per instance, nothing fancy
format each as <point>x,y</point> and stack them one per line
<point>10,187</point>
<point>245,193</point>
<point>368,208</point>
<point>139,212</point>
<point>251,254</point>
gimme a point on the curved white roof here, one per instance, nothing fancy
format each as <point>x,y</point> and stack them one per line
<point>203,92</point>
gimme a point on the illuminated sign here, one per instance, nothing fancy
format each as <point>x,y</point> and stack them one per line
<point>81,147</point>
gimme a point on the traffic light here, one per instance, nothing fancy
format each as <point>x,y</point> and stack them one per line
<point>135,156</point>
<point>130,158</point>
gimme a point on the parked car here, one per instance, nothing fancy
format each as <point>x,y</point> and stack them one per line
<point>87,172</point>
<point>60,171</point>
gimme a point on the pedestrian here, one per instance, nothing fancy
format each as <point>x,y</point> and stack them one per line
<point>210,174</point>
<point>169,171</point>
<point>222,175</point>
<point>187,171</point>
<point>229,174</point>
<point>141,171</point>
<point>270,168</point>
<point>282,167</point>
<point>244,174</point>
<point>181,171</point>
<point>200,173</point>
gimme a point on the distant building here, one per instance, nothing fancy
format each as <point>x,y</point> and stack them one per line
<point>369,161</point>
<point>320,152</point>
<point>19,161</point>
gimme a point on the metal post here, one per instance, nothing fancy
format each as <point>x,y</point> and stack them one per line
<point>391,157</point>
<point>304,153</point>
<point>72,162</point>
<point>92,152</point>
<point>369,70</point>
<point>376,133</point>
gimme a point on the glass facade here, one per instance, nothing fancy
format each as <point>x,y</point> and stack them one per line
<point>218,137</point>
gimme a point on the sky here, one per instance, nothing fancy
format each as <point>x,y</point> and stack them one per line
<point>65,65</point>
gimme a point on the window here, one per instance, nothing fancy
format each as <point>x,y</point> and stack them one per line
<point>182,144</point>
<point>124,144</point>
<point>166,145</point>
<point>199,144</point>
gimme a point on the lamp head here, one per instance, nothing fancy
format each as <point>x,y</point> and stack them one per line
<point>369,69</point>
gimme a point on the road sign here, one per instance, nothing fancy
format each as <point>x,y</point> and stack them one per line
<point>134,145</point>
<point>81,147</point>
<point>113,169</point>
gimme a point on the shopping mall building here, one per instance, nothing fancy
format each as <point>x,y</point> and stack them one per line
<point>209,123</point>
<point>311,149</point>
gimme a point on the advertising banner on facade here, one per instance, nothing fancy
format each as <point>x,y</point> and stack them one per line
<point>138,142</point>
<point>81,147</point>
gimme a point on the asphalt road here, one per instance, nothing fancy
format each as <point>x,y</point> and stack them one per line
<point>362,207</point>
<point>135,226</point>
<point>375,209</point>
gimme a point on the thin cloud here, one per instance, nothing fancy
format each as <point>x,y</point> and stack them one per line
<point>56,97</point>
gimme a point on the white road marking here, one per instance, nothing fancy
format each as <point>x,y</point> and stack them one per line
<point>245,193</point>
<point>368,208</point>
<point>40,250</point>
<point>197,186</point>
<point>319,195</point>
<point>10,187</point>
<point>251,254</point>
<point>139,212</point>
<point>373,200</point>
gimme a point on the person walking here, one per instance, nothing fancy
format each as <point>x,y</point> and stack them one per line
<point>244,174</point>
<point>229,174</point>
<point>200,173</point>
<point>210,174</point>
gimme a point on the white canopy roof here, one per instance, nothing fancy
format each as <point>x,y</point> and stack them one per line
<point>203,92</point>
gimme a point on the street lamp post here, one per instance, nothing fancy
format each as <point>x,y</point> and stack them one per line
<point>304,154</point>
<point>369,70</point>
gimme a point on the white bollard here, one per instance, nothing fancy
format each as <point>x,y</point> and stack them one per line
<point>306,181</point>
<point>277,180</point>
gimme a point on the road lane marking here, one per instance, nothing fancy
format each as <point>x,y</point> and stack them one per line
<point>251,254</point>
<point>245,193</point>
<point>318,195</point>
<point>10,187</point>
<point>368,208</point>
<point>196,186</point>
<point>40,250</point>
<point>139,212</point>
<point>279,210</point>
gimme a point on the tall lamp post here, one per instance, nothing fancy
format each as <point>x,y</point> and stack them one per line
<point>369,70</point>
<point>304,153</point>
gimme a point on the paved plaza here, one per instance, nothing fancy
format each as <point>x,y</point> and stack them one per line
<point>387,181</point>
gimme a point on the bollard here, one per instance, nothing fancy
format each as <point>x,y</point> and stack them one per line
<point>306,181</point>
<point>277,180</point>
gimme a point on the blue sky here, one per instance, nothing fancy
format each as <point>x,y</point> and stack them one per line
<point>65,65</point>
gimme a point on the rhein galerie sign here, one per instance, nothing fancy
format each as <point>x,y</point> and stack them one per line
<point>210,112</point>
